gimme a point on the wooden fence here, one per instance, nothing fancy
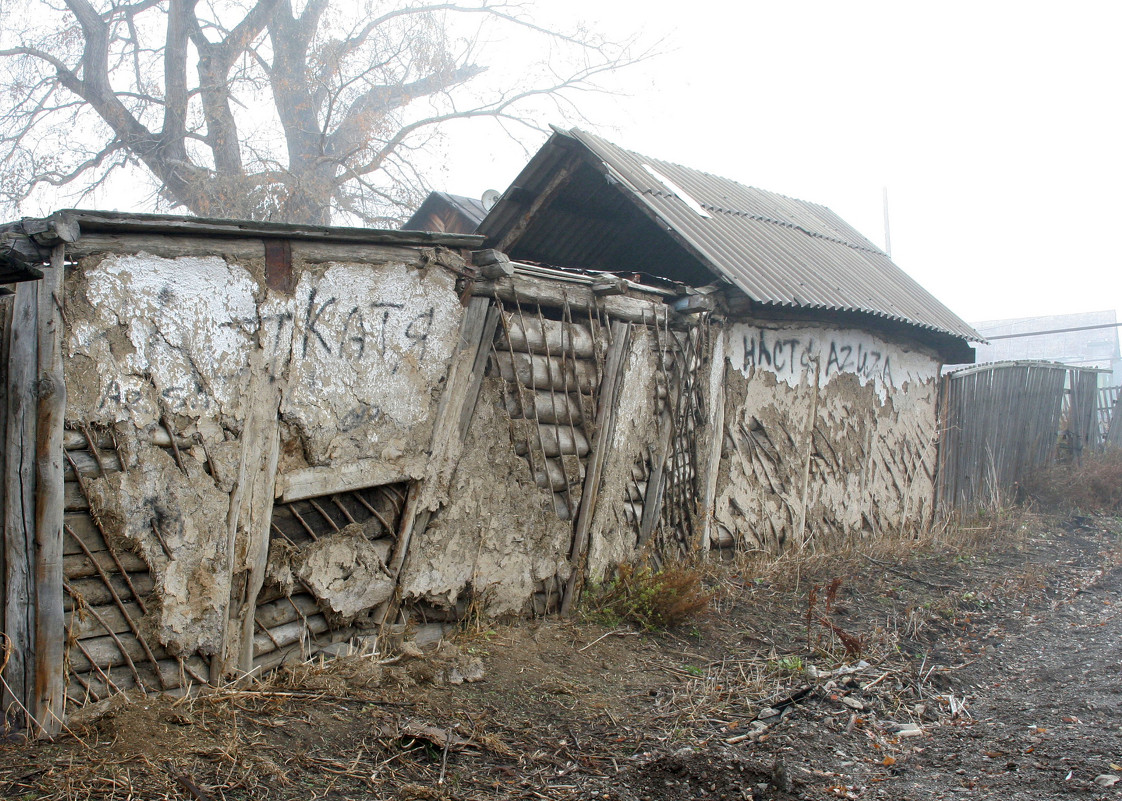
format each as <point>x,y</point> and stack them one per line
<point>1003,421</point>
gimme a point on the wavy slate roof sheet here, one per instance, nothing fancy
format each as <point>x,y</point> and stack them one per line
<point>779,251</point>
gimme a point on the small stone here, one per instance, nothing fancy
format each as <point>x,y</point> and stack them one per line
<point>1107,780</point>
<point>852,702</point>
<point>767,712</point>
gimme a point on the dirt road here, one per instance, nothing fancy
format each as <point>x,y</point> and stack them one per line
<point>983,666</point>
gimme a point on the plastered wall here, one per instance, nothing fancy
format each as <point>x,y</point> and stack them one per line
<point>258,387</point>
<point>828,433</point>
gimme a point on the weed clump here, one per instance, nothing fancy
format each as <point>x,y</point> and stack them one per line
<point>1095,485</point>
<point>650,599</point>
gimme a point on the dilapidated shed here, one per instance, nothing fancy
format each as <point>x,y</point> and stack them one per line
<point>227,443</point>
<point>823,367</point>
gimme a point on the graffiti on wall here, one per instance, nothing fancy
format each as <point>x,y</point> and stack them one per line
<point>796,355</point>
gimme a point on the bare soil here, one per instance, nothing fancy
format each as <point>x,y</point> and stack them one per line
<point>983,663</point>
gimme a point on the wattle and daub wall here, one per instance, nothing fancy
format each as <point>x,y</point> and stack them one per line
<point>253,471</point>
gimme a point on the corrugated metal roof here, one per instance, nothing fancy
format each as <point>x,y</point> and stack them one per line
<point>778,250</point>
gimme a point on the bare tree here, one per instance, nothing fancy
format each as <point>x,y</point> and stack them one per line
<point>269,109</point>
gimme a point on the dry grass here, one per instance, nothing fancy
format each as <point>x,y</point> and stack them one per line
<point>1095,486</point>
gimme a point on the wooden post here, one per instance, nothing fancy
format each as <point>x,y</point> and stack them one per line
<point>19,495</point>
<point>5,327</point>
<point>716,438</point>
<point>605,427</point>
<point>50,689</point>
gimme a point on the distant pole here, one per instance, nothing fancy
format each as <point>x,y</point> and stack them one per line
<point>887,235</point>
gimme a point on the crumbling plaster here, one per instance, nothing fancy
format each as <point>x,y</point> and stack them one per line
<point>353,363</point>
<point>829,433</point>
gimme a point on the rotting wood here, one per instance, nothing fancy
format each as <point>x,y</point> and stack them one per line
<point>542,336</point>
<point>50,697</point>
<point>177,674</point>
<point>557,440</point>
<point>542,292</point>
<point>547,372</point>
<point>84,528</point>
<point>73,498</point>
<point>286,610</point>
<point>19,495</point>
<point>546,407</point>
<point>81,566</point>
<point>605,428</point>
<point>260,454</point>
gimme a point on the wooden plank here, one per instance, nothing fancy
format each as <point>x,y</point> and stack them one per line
<point>479,367</point>
<point>83,526</point>
<point>614,365</point>
<point>73,498</point>
<point>79,565</point>
<point>81,625</point>
<point>94,592</point>
<point>313,482</point>
<point>19,495</point>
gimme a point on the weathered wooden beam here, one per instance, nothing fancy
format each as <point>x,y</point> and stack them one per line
<point>541,336</point>
<point>557,440</point>
<point>554,373</point>
<point>22,372</point>
<point>556,183</point>
<point>532,290</point>
<point>50,686</point>
<point>5,325</point>
<point>716,437</point>
<point>313,482</point>
<point>614,364</point>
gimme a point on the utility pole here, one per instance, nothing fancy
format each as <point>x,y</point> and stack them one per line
<point>887,235</point>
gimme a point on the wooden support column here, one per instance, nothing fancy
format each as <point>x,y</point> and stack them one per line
<point>5,327</point>
<point>50,688</point>
<point>614,365</point>
<point>19,497</point>
<point>716,438</point>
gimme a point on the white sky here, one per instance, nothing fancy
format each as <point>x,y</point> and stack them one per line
<point>994,125</point>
